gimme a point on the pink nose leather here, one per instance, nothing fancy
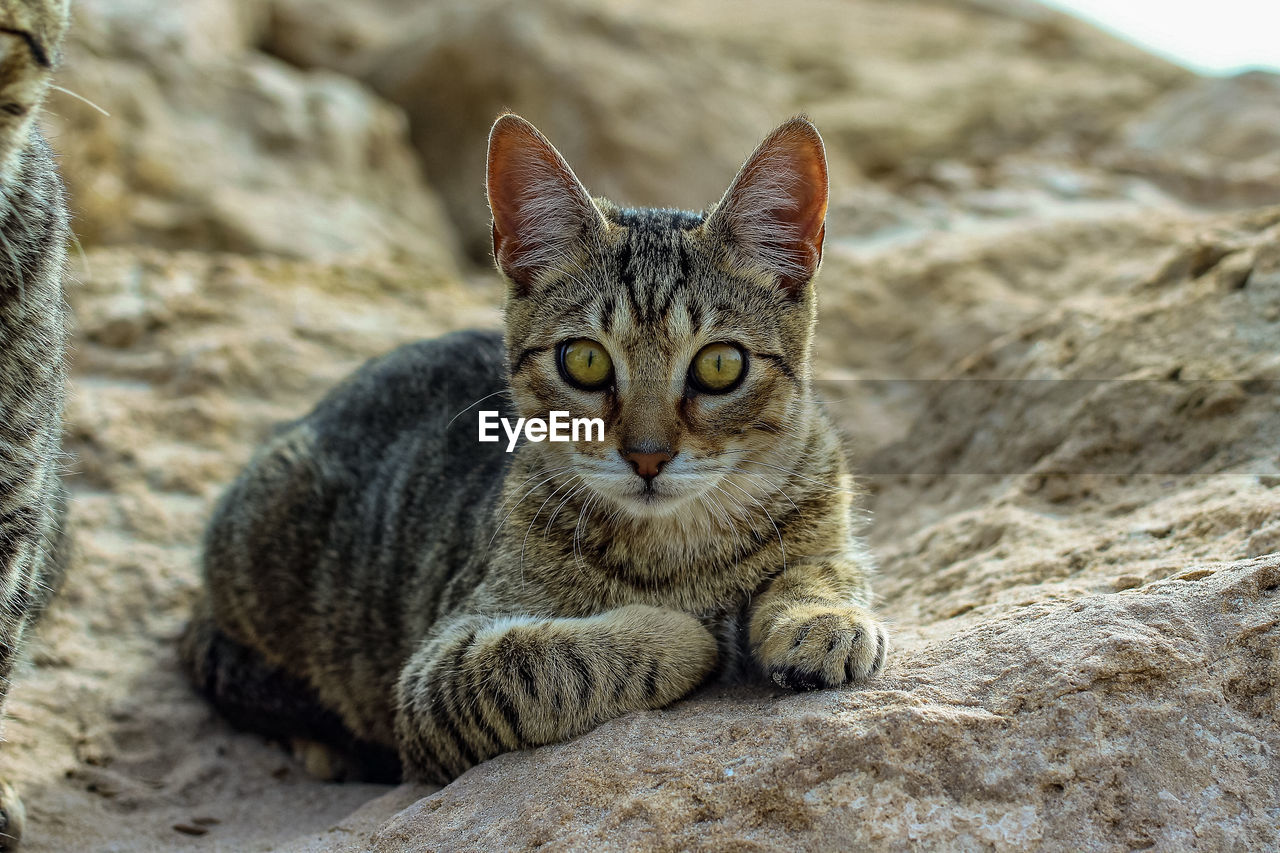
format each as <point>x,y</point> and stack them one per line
<point>648,465</point>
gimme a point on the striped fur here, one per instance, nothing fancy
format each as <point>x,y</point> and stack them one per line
<point>33,328</point>
<point>449,601</point>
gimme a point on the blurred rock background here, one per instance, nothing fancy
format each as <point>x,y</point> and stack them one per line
<point>1083,586</point>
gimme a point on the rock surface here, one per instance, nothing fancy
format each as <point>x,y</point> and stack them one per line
<point>1118,720</point>
<point>649,101</point>
<point>1217,142</point>
<point>1050,326</point>
<point>180,134</point>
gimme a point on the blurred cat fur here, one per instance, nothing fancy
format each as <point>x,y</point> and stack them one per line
<point>33,330</point>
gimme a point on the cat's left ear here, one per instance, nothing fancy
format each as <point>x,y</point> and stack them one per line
<point>542,215</point>
<point>775,211</point>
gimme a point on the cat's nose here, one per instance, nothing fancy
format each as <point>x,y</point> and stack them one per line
<point>647,465</point>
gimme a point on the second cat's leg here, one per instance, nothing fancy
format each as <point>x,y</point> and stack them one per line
<point>485,686</point>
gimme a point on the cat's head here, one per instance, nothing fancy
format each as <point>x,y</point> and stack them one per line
<point>688,334</point>
<point>31,33</point>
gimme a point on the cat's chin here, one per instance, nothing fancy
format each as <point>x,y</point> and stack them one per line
<point>653,504</point>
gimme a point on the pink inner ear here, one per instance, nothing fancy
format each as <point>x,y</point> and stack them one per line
<point>776,209</point>
<point>809,162</point>
<point>539,207</point>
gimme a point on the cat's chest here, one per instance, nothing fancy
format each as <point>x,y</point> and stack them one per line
<point>706,589</point>
<point>598,568</point>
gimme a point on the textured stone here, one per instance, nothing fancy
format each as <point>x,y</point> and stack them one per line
<point>631,90</point>
<point>1215,143</point>
<point>211,144</point>
<point>1115,721</point>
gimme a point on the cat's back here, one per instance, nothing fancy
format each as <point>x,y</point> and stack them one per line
<point>424,395</point>
<point>363,509</point>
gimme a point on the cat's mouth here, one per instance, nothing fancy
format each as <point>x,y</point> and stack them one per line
<point>651,494</point>
<point>645,498</point>
<point>670,492</point>
<point>656,498</point>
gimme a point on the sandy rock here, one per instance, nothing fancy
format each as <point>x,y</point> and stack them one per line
<point>192,31</point>
<point>210,144</point>
<point>627,89</point>
<point>1215,143</point>
<point>1116,721</point>
<point>1231,118</point>
<point>334,34</point>
<point>666,94</point>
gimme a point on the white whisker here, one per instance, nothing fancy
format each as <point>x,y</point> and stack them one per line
<point>80,98</point>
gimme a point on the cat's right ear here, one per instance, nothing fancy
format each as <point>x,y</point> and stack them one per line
<point>542,214</point>
<point>776,209</point>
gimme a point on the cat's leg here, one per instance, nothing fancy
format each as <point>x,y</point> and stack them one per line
<point>810,627</point>
<point>33,552</point>
<point>32,229</point>
<point>484,686</point>
<point>255,696</point>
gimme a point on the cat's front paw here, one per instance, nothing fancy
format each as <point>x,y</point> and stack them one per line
<point>821,645</point>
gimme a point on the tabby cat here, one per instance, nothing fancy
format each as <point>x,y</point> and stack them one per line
<point>379,580</point>
<point>33,327</point>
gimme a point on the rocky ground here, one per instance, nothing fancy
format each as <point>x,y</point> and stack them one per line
<point>1050,327</point>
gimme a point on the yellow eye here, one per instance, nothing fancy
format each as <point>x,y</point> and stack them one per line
<point>718,368</point>
<point>585,364</point>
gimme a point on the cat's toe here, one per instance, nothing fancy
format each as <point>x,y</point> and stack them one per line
<point>867,657</point>
<point>13,818</point>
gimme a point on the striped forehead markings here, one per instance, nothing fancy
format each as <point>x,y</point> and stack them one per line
<point>607,307</point>
<point>651,291</point>
<point>679,281</point>
<point>666,218</point>
<point>627,275</point>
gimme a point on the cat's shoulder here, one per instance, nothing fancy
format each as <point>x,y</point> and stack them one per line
<point>454,359</point>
